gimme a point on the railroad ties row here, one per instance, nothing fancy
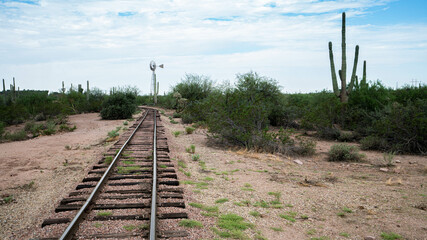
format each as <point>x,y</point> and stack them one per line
<point>122,208</point>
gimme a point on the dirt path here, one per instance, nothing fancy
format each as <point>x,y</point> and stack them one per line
<point>316,199</point>
<point>38,172</point>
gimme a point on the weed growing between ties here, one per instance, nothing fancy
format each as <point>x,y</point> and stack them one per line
<point>190,223</point>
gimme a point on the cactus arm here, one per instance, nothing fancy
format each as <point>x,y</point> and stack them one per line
<point>353,74</point>
<point>333,73</point>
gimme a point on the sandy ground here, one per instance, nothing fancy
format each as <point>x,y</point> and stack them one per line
<point>324,200</point>
<point>41,171</point>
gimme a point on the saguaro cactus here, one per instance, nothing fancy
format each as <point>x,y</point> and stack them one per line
<point>4,92</point>
<point>156,87</point>
<point>363,82</point>
<point>14,90</point>
<point>87,90</point>
<point>63,88</point>
<point>345,91</point>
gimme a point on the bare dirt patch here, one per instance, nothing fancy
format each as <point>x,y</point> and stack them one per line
<point>287,200</point>
<point>38,172</point>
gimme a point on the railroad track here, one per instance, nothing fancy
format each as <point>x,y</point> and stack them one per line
<point>132,193</point>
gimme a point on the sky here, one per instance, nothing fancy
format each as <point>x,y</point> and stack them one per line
<point>111,43</point>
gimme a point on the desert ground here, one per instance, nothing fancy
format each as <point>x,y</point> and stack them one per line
<point>282,197</point>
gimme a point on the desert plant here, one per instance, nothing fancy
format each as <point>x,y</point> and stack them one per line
<point>16,136</point>
<point>176,133</point>
<point>345,91</point>
<point>119,105</point>
<point>195,157</point>
<point>373,143</point>
<point>113,133</point>
<point>189,130</point>
<point>343,152</point>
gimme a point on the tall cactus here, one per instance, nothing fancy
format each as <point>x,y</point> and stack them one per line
<point>363,82</point>
<point>156,87</point>
<point>87,90</point>
<point>345,91</point>
<point>14,90</point>
<point>4,92</point>
<point>63,88</point>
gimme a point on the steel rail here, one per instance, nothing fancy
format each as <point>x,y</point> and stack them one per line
<point>153,214</point>
<point>69,232</point>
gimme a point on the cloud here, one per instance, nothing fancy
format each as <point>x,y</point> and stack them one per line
<point>104,40</point>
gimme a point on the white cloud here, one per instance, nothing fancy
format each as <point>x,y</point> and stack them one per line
<point>79,40</point>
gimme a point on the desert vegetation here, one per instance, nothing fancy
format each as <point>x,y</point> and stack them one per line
<point>46,113</point>
<point>377,117</point>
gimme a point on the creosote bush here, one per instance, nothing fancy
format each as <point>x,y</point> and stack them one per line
<point>344,153</point>
<point>119,105</point>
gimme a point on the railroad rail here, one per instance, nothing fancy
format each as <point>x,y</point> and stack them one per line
<point>122,194</point>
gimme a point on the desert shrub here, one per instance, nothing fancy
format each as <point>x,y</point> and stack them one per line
<point>329,133</point>
<point>2,125</point>
<point>194,87</point>
<point>343,152</point>
<point>176,115</point>
<point>119,105</point>
<point>50,128</point>
<point>66,128</point>
<point>322,112</point>
<point>306,147</point>
<point>189,130</point>
<point>373,143</point>
<point>346,136</point>
<point>404,127</point>
<point>16,136</point>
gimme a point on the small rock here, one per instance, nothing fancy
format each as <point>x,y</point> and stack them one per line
<point>412,162</point>
<point>298,162</point>
<point>397,161</point>
<point>384,169</point>
<point>369,238</point>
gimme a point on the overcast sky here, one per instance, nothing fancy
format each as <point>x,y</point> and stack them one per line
<point>110,43</point>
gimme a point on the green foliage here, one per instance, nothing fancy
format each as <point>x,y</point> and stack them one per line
<point>16,136</point>
<point>2,125</point>
<point>189,130</point>
<point>104,213</point>
<point>119,105</point>
<point>176,133</point>
<point>343,152</point>
<point>113,133</point>
<point>232,221</point>
<point>194,87</point>
<point>390,236</point>
<point>190,223</point>
<point>221,200</point>
<point>373,143</point>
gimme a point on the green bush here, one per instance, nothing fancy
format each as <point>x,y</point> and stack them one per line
<point>329,133</point>
<point>194,87</point>
<point>373,143</point>
<point>322,111</point>
<point>119,105</point>
<point>16,136</point>
<point>50,128</point>
<point>176,115</point>
<point>404,126</point>
<point>189,130</point>
<point>306,147</point>
<point>343,152</point>
<point>2,125</point>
